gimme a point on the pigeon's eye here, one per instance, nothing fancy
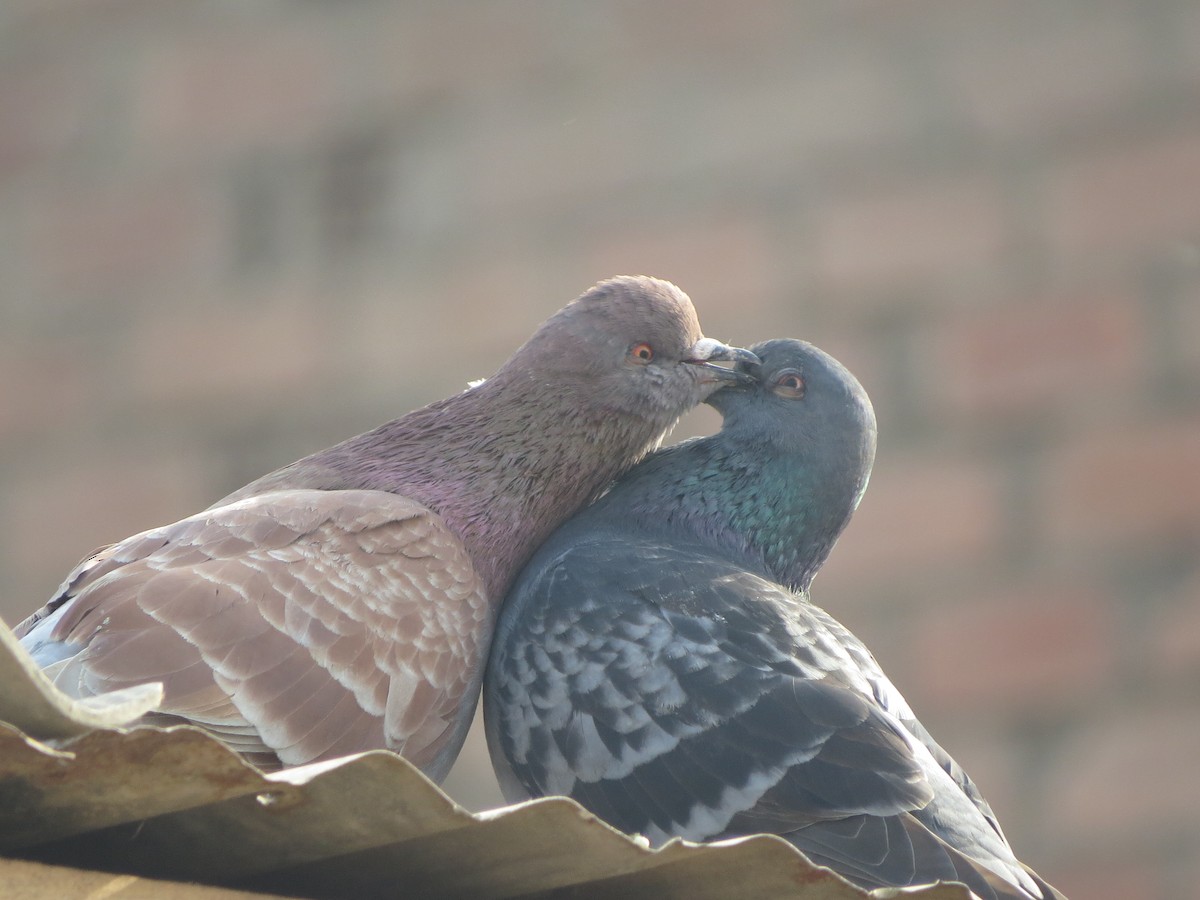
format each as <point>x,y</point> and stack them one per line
<point>789,385</point>
<point>641,353</point>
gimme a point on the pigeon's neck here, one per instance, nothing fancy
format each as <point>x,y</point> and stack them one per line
<point>503,482</point>
<point>775,510</point>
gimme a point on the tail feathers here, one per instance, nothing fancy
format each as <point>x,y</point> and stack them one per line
<point>1049,891</point>
<point>898,851</point>
<point>36,634</point>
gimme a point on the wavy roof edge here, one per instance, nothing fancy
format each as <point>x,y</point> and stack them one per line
<point>139,803</point>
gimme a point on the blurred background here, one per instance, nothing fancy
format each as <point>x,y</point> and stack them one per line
<point>231,234</point>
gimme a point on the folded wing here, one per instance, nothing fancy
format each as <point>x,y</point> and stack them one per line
<point>296,625</point>
<point>676,694</point>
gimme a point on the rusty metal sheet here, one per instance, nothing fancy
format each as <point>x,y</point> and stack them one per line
<point>176,805</point>
<point>552,848</point>
<point>109,777</point>
<point>303,815</point>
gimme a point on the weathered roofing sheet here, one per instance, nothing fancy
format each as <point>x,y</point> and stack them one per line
<point>148,803</point>
<point>21,880</point>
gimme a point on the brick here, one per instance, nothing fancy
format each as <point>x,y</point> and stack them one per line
<point>69,12</point>
<point>399,333</point>
<point>1183,870</point>
<point>1175,636</point>
<point>534,163</point>
<point>1028,76</point>
<point>920,233</point>
<point>489,303</point>
<point>1109,873</point>
<point>1138,762</point>
<point>53,517</point>
<point>107,240</point>
<point>240,357</point>
<point>1028,649</point>
<point>599,144</point>
<point>727,265</point>
<point>719,31</point>
<point>500,275</point>
<point>44,106</point>
<point>214,91</point>
<point>842,92</point>
<point>1130,483</point>
<point>55,385</point>
<point>1049,353</point>
<point>1126,200</point>
<point>1186,323</point>
<point>920,518</point>
<point>439,48</point>
<point>1186,35</point>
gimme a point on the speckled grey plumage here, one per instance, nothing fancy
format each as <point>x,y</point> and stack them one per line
<point>660,660</point>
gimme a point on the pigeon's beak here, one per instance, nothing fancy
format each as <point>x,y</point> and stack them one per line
<point>706,351</point>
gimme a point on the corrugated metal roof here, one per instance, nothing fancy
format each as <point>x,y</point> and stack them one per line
<point>173,804</point>
<point>21,880</point>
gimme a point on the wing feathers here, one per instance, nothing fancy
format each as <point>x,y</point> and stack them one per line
<point>330,621</point>
<point>674,694</point>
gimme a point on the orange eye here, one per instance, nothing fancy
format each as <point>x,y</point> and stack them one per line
<point>641,353</point>
<point>789,385</point>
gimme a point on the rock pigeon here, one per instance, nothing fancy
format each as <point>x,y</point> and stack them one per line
<point>660,659</point>
<point>345,602</point>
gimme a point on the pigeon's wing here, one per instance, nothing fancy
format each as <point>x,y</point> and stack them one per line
<point>890,699</point>
<point>675,694</point>
<point>666,691</point>
<point>305,624</point>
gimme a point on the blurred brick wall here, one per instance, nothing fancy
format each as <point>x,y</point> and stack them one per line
<point>233,233</point>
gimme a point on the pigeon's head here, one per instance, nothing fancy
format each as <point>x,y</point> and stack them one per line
<point>802,403</point>
<point>633,345</point>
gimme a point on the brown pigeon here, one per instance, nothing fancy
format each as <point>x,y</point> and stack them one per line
<point>345,602</point>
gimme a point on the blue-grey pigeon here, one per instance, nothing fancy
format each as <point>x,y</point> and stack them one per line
<point>345,602</point>
<point>660,660</point>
